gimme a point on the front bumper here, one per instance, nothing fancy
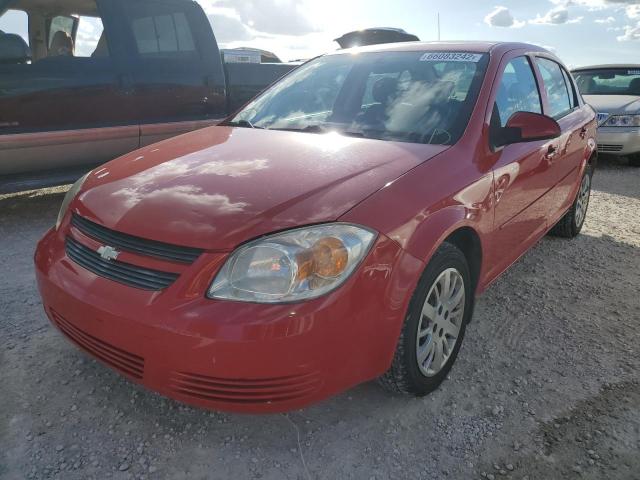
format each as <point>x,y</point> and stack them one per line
<point>228,355</point>
<point>618,140</point>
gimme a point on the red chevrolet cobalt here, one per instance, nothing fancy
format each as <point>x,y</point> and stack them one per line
<point>334,231</point>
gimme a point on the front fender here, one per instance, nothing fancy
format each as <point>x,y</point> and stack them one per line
<point>420,218</point>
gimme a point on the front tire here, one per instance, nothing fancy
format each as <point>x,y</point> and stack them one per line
<point>571,224</point>
<point>634,160</point>
<point>434,327</point>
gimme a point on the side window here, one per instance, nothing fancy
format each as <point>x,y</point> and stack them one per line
<point>161,31</point>
<point>78,36</point>
<point>61,26</point>
<point>15,22</point>
<point>560,102</point>
<point>518,92</point>
<point>14,38</point>
<point>74,32</point>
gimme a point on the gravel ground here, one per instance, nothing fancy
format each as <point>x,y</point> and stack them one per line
<point>546,385</point>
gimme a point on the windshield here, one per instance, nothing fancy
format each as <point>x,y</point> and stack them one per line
<point>619,81</point>
<point>400,96</point>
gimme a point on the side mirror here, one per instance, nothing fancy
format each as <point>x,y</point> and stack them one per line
<point>528,127</point>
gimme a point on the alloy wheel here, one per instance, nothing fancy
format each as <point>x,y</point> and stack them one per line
<point>440,322</point>
<point>582,202</point>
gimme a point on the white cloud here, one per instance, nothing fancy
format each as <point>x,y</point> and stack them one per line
<point>502,17</point>
<point>228,28</point>
<point>290,17</point>
<point>605,20</point>
<point>556,16</point>
<point>633,11</point>
<point>631,32</point>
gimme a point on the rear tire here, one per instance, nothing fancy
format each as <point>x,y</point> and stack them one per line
<point>571,224</point>
<point>634,160</point>
<point>434,327</point>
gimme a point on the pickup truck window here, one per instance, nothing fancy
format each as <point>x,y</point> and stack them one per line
<point>15,22</point>
<point>69,34</point>
<point>413,97</point>
<point>161,32</point>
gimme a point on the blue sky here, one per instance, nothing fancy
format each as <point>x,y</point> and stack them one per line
<point>581,32</point>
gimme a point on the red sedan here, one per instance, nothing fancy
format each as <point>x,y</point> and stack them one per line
<point>334,231</point>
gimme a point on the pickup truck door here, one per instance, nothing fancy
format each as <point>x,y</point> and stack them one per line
<point>175,81</point>
<point>63,111</point>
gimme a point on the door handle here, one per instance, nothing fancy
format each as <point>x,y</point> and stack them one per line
<point>552,151</point>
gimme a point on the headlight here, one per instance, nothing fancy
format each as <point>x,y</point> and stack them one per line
<point>623,121</point>
<point>292,266</point>
<point>71,194</point>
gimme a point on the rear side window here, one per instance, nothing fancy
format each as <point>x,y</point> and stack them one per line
<point>573,97</point>
<point>161,30</point>
<point>560,102</point>
<point>518,92</point>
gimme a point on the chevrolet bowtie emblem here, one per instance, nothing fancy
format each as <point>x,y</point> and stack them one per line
<point>108,253</point>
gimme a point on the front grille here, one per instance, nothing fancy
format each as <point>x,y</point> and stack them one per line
<point>609,148</point>
<point>267,390</point>
<point>118,359</point>
<point>129,243</point>
<point>120,272</point>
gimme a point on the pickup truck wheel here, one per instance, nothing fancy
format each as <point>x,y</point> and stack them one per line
<point>435,325</point>
<point>634,160</point>
<point>571,224</point>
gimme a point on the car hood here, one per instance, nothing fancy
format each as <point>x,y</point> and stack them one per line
<point>623,104</point>
<point>218,187</point>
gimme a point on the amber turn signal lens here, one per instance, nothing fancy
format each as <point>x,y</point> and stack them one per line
<point>328,258</point>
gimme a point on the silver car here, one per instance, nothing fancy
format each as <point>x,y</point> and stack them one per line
<point>614,92</point>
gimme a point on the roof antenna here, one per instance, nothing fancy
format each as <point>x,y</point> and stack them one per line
<point>438,26</point>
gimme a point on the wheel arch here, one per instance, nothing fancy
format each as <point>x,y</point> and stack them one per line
<point>468,241</point>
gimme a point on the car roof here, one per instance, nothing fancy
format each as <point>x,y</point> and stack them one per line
<point>457,46</point>
<point>634,66</point>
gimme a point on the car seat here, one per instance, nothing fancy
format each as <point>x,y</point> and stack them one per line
<point>13,49</point>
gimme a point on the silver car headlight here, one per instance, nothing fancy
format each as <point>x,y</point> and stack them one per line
<point>623,121</point>
<point>296,265</point>
<point>71,194</point>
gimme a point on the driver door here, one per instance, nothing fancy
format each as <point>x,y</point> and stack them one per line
<point>522,171</point>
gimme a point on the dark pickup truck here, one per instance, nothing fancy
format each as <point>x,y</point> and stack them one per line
<point>84,81</point>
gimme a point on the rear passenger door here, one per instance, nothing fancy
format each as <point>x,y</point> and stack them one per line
<point>561,102</point>
<point>176,81</point>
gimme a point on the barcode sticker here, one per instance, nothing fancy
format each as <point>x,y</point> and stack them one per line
<point>451,57</point>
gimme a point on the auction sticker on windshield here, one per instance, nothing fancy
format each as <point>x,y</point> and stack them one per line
<point>451,57</point>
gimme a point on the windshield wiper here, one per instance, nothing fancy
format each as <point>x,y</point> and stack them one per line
<point>242,124</point>
<point>307,129</point>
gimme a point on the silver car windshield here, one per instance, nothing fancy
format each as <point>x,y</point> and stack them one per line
<point>419,97</point>
<point>618,81</point>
